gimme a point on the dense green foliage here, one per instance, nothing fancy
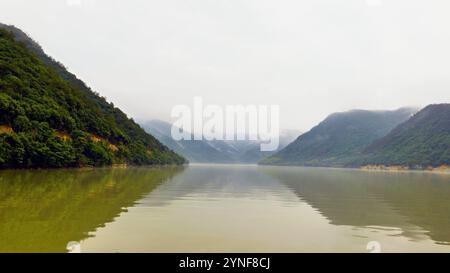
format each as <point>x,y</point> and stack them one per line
<point>339,140</point>
<point>49,118</point>
<point>422,141</point>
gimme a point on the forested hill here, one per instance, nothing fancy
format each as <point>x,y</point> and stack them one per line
<point>422,141</point>
<point>340,139</point>
<point>49,118</point>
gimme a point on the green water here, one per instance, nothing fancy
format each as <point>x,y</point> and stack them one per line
<point>219,208</point>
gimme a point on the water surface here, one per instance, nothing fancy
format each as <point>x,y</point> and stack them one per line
<point>220,208</point>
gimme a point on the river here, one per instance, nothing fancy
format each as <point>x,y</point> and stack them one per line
<point>223,208</point>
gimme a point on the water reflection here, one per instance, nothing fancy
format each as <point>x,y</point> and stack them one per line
<point>208,208</point>
<point>218,182</point>
<point>404,200</point>
<point>277,209</point>
<point>43,210</point>
<point>223,209</point>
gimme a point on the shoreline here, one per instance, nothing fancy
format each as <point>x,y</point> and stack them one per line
<point>444,169</point>
<point>375,168</point>
<point>369,168</point>
<point>87,168</point>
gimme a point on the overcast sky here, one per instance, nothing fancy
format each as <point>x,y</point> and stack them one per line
<point>310,57</point>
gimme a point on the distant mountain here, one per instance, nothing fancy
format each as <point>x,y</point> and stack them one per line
<point>50,118</point>
<point>215,151</point>
<point>194,151</point>
<point>422,141</point>
<point>340,139</point>
<point>254,154</point>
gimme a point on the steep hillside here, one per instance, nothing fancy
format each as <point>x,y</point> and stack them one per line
<point>422,141</point>
<point>340,139</point>
<point>49,118</point>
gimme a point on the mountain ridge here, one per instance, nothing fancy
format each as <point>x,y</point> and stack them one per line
<point>339,139</point>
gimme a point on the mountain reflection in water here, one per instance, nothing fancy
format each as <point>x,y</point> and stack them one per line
<point>223,208</point>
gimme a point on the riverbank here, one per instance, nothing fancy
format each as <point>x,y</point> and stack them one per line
<point>443,169</point>
<point>399,168</point>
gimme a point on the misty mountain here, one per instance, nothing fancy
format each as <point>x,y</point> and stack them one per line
<point>340,139</point>
<point>214,151</point>
<point>422,141</point>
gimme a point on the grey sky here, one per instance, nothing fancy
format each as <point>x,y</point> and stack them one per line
<point>311,57</point>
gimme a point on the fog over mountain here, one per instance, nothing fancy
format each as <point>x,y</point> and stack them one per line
<point>311,57</point>
<point>215,151</point>
<point>340,139</point>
